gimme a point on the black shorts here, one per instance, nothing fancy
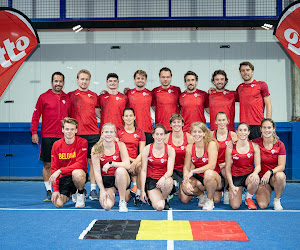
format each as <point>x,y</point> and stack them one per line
<point>150,183</point>
<point>177,175</point>
<point>46,147</point>
<point>149,138</point>
<point>66,185</point>
<point>109,182</point>
<point>92,140</point>
<point>240,181</point>
<point>254,132</point>
<point>201,179</point>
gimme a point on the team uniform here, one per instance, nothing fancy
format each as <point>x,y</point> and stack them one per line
<point>156,167</point>
<point>242,165</point>
<point>112,107</point>
<point>166,104</point>
<point>192,107</point>
<point>269,158</point>
<point>68,158</point>
<point>53,108</point>
<point>83,105</point>
<point>251,97</point>
<point>222,146</point>
<point>222,102</point>
<point>179,159</point>
<point>131,140</point>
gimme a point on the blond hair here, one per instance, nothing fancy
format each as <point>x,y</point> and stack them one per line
<point>208,136</point>
<point>69,120</point>
<point>99,146</point>
<point>84,71</point>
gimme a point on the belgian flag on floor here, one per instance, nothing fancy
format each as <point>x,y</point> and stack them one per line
<point>164,230</point>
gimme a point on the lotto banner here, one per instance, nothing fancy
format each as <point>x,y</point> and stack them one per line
<point>17,40</point>
<point>288,29</point>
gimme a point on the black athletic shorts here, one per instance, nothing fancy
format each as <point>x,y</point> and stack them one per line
<point>109,182</point>
<point>177,175</point>
<point>149,138</point>
<point>46,147</point>
<point>150,183</point>
<point>254,132</point>
<point>201,179</point>
<point>66,185</point>
<point>240,181</point>
<point>92,140</point>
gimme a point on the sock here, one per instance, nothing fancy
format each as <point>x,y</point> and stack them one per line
<point>176,183</point>
<point>47,185</point>
<point>138,192</point>
<point>80,191</point>
<point>133,183</point>
<point>248,196</point>
<point>93,186</point>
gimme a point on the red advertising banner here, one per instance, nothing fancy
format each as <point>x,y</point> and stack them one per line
<point>17,40</point>
<point>288,29</point>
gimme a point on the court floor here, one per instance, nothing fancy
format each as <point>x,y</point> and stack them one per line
<point>29,223</point>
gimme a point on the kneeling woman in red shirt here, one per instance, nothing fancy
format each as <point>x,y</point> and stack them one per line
<point>240,170</point>
<point>273,159</point>
<point>112,158</point>
<point>199,167</point>
<point>157,165</point>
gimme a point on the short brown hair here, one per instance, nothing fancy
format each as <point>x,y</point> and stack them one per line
<point>165,69</point>
<point>69,120</point>
<point>246,64</point>
<point>190,73</point>
<point>176,116</point>
<point>219,72</point>
<point>140,72</point>
<point>84,71</point>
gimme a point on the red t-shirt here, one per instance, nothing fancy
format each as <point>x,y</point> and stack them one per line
<point>112,107</point>
<point>180,152</point>
<point>222,102</point>
<point>53,108</point>
<point>131,140</point>
<point>242,163</point>
<point>116,157</point>
<point>166,104</point>
<point>269,158</point>
<point>251,97</point>
<point>157,167</point>
<point>141,101</point>
<point>83,105</point>
<point>222,146</point>
<point>192,107</point>
<point>68,158</point>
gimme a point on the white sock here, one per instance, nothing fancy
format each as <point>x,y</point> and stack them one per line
<point>138,192</point>
<point>133,183</point>
<point>93,186</point>
<point>176,183</point>
<point>248,196</point>
<point>48,185</point>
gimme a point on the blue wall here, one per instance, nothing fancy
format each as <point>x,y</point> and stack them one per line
<point>15,138</point>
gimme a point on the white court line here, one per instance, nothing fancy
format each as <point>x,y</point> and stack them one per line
<point>98,210</point>
<point>170,243</point>
<point>81,236</point>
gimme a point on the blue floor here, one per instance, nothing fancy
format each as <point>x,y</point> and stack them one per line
<point>29,223</point>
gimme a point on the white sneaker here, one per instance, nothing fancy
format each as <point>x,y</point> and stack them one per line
<point>80,201</point>
<point>209,205</point>
<point>226,198</point>
<point>201,200</point>
<point>277,204</point>
<point>123,206</point>
<point>74,196</point>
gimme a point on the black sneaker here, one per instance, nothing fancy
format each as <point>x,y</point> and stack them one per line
<point>167,205</point>
<point>48,196</point>
<point>137,201</point>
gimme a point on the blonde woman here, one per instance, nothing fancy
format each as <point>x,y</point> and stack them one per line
<point>273,159</point>
<point>111,164</point>
<point>199,167</point>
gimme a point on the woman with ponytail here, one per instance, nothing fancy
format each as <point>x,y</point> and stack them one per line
<point>273,160</point>
<point>111,164</point>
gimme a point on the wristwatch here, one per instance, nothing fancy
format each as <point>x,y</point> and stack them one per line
<point>110,163</point>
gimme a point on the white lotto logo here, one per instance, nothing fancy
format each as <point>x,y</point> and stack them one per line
<point>182,147</point>
<point>273,151</point>
<point>63,101</point>
<point>89,95</point>
<point>249,155</point>
<point>292,37</point>
<point>115,157</point>
<point>9,47</point>
<point>224,92</point>
<point>235,157</point>
<point>162,160</point>
<point>117,98</point>
<point>144,94</point>
<point>195,94</point>
<point>170,91</point>
<point>252,85</point>
<point>135,135</point>
<point>204,159</point>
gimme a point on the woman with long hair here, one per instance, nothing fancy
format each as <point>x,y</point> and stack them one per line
<point>223,137</point>
<point>240,171</point>
<point>273,160</point>
<point>199,168</point>
<point>111,164</point>
<point>157,169</point>
<point>135,141</point>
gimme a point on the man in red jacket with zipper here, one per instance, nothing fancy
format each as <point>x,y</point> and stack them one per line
<point>53,105</point>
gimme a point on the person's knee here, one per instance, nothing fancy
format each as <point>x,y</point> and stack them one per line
<point>78,175</point>
<point>159,206</point>
<point>120,172</point>
<point>184,199</point>
<point>209,175</point>
<point>262,204</point>
<point>235,206</point>
<point>58,204</point>
<point>280,177</point>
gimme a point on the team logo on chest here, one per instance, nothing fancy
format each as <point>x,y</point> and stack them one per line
<point>117,98</point>
<point>89,95</point>
<point>196,95</point>
<point>170,91</point>
<point>150,159</point>
<point>102,159</point>
<point>226,143</point>
<point>63,101</point>
<point>193,159</point>
<point>144,94</point>
<point>273,151</point>
<point>249,155</point>
<point>162,160</point>
<point>235,157</point>
<point>225,92</point>
<point>115,157</point>
<point>252,85</point>
<point>135,135</point>
<point>204,159</point>
<point>182,147</point>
